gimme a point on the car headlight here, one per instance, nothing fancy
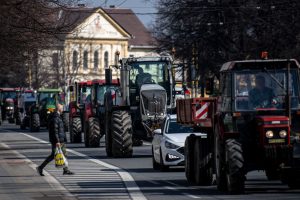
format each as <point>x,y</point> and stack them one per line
<point>283,133</point>
<point>170,145</point>
<point>269,134</point>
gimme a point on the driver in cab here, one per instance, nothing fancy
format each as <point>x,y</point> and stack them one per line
<point>261,96</point>
<point>142,78</point>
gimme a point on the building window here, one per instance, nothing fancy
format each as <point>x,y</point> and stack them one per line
<point>106,60</point>
<point>75,59</point>
<point>85,60</point>
<point>55,60</point>
<point>96,60</point>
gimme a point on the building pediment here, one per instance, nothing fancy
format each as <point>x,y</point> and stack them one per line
<point>99,26</point>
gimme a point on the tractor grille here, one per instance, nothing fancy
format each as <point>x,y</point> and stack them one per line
<point>154,102</point>
<point>181,150</point>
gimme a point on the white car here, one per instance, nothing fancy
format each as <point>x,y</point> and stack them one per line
<point>168,144</point>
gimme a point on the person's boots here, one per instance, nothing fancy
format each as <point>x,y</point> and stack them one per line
<point>39,171</point>
<point>67,172</point>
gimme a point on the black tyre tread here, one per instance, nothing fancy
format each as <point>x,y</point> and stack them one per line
<point>235,165</point>
<point>162,166</point>
<point>65,119</point>
<point>35,123</point>
<point>121,132</point>
<point>75,130</point>
<point>18,118</point>
<point>155,165</point>
<point>189,159</point>
<point>219,154</point>
<point>94,133</point>
<point>203,162</point>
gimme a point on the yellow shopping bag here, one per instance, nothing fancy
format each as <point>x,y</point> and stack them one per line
<point>60,159</point>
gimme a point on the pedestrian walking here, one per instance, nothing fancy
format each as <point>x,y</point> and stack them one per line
<point>57,138</point>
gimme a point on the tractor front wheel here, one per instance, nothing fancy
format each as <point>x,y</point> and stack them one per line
<point>121,132</point>
<point>35,123</point>
<point>235,163</point>
<point>189,159</point>
<point>75,130</point>
<point>65,119</point>
<point>93,137</point>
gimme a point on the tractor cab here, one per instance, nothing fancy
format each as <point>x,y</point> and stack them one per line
<point>148,74</point>
<point>7,102</point>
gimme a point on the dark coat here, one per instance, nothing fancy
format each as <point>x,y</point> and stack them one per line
<point>261,98</point>
<point>56,129</point>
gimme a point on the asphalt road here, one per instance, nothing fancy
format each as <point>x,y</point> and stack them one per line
<point>99,177</point>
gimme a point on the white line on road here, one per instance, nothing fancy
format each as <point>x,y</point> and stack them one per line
<point>130,184</point>
<point>54,183</point>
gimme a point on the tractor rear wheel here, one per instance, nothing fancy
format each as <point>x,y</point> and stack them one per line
<point>65,119</point>
<point>75,130</point>
<point>202,162</point>
<point>219,161</point>
<point>121,132</point>
<point>35,123</point>
<point>93,133</point>
<point>189,158</point>
<point>235,163</point>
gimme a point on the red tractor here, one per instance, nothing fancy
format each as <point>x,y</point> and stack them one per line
<point>94,111</point>
<point>76,108</point>
<point>7,103</point>
<point>253,123</point>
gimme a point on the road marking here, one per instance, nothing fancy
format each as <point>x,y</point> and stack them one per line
<point>191,196</point>
<point>130,184</point>
<point>54,183</point>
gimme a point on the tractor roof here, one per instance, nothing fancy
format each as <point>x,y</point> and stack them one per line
<point>103,82</point>
<point>149,59</point>
<point>49,90</point>
<point>259,64</point>
<point>7,89</point>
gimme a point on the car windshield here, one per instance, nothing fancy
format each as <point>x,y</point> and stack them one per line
<point>257,89</point>
<point>173,127</point>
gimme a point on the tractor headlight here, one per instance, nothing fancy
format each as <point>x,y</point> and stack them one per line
<point>170,145</point>
<point>269,134</point>
<point>283,133</point>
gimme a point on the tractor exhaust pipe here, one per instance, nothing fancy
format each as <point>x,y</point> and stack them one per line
<point>108,76</point>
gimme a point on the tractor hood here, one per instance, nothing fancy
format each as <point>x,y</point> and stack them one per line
<point>153,101</point>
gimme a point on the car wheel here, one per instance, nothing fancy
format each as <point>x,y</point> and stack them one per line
<point>155,165</point>
<point>162,166</point>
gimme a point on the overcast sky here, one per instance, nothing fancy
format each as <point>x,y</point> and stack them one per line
<point>142,8</point>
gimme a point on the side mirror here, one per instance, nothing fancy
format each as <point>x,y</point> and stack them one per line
<point>71,88</point>
<point>157,131</point>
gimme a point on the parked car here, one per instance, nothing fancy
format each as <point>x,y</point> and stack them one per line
<point>168,144</point>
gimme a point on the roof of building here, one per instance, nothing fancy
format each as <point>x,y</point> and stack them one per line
<point>131,23</point>
<point>69,18</point>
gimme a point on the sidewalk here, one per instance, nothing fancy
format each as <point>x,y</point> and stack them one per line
<point>19,180</point>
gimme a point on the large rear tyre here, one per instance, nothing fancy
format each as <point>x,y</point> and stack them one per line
<point>75,130</point>
<point>93,137</point>
<point>35,123</point>
<point>235,163</point>
<point>65,119</point>
<point>219,161</point>
<point>189,159</point>
<point>202,162</point>
<point>108,138</point>
<point>121,132</point>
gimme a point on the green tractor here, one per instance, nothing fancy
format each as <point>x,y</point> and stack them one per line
<point>45,105</point>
